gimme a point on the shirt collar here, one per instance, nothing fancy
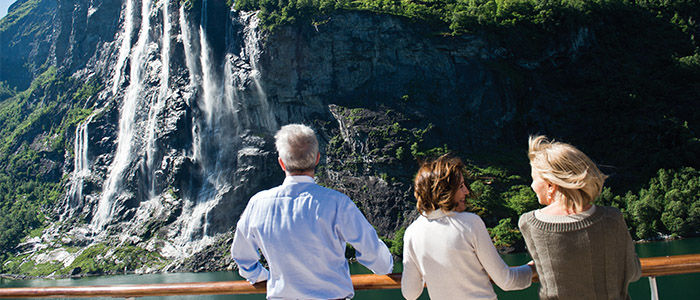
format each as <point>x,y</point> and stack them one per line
<point>298,179</point>
<point>436,214</point>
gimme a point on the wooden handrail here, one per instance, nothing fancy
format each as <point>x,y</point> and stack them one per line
<point>670,265</point>
<point>651,267</point>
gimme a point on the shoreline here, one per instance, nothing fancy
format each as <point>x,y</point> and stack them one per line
<point>664,238</point>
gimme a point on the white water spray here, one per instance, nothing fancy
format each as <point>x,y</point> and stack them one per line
<point>251,53</point>
<point>125,47</point>
<point>163,94</point>
<point>126,136</point>
<point>81,164</point>
<point>211,97</point>
<point>192,68</point>
<point>223,109</point>
<point>211,87</point>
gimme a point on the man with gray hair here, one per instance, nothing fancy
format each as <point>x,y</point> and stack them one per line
<point>302,229</point>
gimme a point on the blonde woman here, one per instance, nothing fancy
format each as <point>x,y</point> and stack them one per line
<point>581,251</point>
<point>449,250</point>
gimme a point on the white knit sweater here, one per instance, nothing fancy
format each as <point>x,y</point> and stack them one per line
<point>454,256</point>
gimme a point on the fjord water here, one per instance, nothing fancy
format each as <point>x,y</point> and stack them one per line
<point>670,287</point>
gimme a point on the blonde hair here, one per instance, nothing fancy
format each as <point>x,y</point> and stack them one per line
<point>297,146</point>
<point>578,179</point>
<point>436,183</point>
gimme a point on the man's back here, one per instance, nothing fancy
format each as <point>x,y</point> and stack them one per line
<point>302,229</point>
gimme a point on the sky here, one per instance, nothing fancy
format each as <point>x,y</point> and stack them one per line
<point>4,4</point>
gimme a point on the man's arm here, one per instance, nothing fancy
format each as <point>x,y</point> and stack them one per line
<point>370,251</point>
<point>245,252</point>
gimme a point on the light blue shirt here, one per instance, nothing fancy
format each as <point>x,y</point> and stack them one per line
<point>302,229</point>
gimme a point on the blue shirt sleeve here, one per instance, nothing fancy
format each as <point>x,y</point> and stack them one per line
<point>244,251</point>
<point>370,250</point>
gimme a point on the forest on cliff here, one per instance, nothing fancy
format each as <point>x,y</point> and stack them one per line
<point>635,96</point>
<point>629,97</point>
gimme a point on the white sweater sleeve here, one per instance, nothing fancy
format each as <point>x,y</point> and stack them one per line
<point>507,278</point>
<point>411,280</point>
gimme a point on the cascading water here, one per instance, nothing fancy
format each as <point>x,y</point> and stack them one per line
<point>209,135</point>
<point>241,67</point>
<point>81,164</point>
<point>125,47</point>
<point>216,134</point>
<point>252,49</point>
<point>125,139</point>
<point>163,94</point>
<point>226,101</point>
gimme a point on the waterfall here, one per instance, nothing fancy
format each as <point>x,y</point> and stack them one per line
<point>81,164</point>
<point>209,134</point>
<point>227,103</point>
<point>192,67</point>
<point>163,94</point>
<point>260,114</point>
<point>125,45</point>
<point>252,52</point>
<point>211,85</point>
<point>125,138</point>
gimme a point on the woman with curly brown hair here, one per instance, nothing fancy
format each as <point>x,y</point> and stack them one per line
<point>449,250</point>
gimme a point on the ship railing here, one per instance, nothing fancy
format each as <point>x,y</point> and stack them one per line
<point>652,267</point>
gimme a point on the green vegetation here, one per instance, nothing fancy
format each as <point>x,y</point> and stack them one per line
<point>95,259</point>
<point>382,132</point>
<point>102,259</point>
<point>464,15</point>
<point>505,234</point>
<point>34,126</point>
<point>395,245</point>
<point>6,91</point>
<point>87,90</point>
<point>16,15</point>
<point>668,205</point>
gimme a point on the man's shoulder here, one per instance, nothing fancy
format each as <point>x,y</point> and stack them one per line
<point>316,190</point>
<point>331,191</point>
<point>311,189</point>
<point>266,193</point>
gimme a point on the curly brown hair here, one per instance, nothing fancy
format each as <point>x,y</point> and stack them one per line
<point>436,183</point>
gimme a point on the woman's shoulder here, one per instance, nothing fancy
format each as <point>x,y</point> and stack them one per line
<point>465,215</point>
<point>526,217</point>
<point>609,212</point>
<point>469,219</point>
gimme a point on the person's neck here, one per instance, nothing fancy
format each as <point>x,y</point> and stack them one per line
<point>559,209</point>
<point>310,174</point>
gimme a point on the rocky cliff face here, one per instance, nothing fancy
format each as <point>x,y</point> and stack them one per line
<point>25,42</point>
<point>375,84</point>
<point>180,134</point>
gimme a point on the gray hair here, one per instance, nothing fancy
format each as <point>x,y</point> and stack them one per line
<point>297,146</point>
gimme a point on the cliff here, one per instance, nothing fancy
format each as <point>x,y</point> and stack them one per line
<point>159,118</point>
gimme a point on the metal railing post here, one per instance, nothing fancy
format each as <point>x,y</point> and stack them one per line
<point>653,287</point>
